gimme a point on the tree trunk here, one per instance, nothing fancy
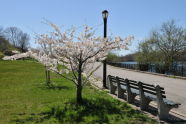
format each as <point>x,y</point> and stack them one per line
<point>79,86</point>
<point>46,74</point>
<point>48,83</point>
<point>79,94</point>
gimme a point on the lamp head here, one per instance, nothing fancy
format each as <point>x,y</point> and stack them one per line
<point>105,14</point>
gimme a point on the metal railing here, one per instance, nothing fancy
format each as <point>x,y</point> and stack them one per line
<point>177,70</point>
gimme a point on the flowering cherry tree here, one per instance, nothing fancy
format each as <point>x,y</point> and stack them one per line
<point>77,54</point>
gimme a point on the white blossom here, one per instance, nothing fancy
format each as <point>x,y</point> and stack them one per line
<point>77,53</point>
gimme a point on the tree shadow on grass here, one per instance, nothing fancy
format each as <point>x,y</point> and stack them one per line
<point>54,87</point>
<point>90,111</point>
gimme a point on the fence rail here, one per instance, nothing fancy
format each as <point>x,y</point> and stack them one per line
<point>177,71</point>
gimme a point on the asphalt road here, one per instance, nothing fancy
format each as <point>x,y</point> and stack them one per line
<point>175,88</point>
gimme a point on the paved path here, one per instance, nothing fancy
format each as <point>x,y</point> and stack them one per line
<point>174,88</point>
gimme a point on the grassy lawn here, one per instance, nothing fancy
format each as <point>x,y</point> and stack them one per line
<point>24,98</point>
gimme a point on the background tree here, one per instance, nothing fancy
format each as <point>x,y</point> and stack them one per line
<point>146,52</point>
<point>165,46</point>
<point>13,34</point>
<point>1,31</point>
<point>23,42</point>
<point>4,44</point>
<point>144,55</point>
<point>128,57</point>
<point>171,41</point>
<point>17,38</point>
<point>112,57</point>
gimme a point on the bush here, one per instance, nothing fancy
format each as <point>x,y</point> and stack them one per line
<point>143,67</point>
<point>8,53</point>
<point>4,44</point>
<point>161,69</point>
<point>1,55</point>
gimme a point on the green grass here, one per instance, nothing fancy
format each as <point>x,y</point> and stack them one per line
<point>24,98</point>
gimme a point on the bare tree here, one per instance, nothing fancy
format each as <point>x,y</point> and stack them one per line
<point>17,38</point>
<point>171,41</point>
<point>23,41</point>
<point>13,35</point>
<point>1,31</point>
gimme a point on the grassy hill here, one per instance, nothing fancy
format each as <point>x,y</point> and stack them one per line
<point>24,98</point>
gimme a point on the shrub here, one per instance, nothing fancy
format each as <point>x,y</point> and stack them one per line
<point>4,44</point>
<point>143,67</point>
<point>8,53</point>
<point>1,55</point>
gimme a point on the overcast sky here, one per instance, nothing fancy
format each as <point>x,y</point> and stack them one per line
<point>126,17</point>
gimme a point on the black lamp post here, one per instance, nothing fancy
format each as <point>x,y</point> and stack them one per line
<point>105,15</point>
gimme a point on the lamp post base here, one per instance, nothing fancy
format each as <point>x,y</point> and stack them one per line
<point>104,74</point>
